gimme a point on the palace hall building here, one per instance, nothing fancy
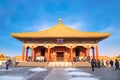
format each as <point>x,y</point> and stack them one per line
<point>60,43</point>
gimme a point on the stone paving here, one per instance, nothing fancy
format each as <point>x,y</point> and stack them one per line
<point>59,74</point>
<point>23,72</point>
<point>104,73</point>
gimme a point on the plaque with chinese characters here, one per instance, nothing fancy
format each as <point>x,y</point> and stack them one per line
<point>59,41</point>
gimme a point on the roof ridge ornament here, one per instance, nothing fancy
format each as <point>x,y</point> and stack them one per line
<point>60,20</point>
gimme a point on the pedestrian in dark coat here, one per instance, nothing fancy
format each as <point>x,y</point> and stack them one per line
<point>96,63</point>
<point>111,63</point>
<point>102,62</point>
<point>116,64</point>
<point>99,63</point>
<point>92,64</point>
<point>7,64</point>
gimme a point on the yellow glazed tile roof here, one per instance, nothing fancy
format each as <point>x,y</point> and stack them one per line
<point>60,31</point>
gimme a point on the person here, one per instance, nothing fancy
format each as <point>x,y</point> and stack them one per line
<point>7,64</point>
<point>74,59</point>
<point>13,62</point>
<point>30,58</point>
<point>107,63</point>
<point>92,64</point>
<point>45,59</point>
<point>96,63</point>
<point>111,63</point>
<point>102,63</point>
<point>116,64</point>
<point>99,63</point>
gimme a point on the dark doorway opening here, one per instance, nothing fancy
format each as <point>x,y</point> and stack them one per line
<point>42,52</point>
<point>60,56</point>
<point>77,52</point>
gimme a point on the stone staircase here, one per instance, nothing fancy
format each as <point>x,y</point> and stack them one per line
<point>31,64</point>
<point>59,64</point>
<point>54,64</point>
<point>85,64</point>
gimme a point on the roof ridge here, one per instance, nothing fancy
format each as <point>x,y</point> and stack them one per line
<point>60,30</point>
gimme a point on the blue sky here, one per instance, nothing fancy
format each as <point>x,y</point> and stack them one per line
<point>36,15</point>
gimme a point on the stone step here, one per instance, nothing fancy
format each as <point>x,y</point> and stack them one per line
<point>60,64</point>
<point>31,64</point>
<point>81,64</point>
<point>53,64</point>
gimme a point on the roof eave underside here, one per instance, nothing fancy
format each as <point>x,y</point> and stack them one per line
<point>102,35</point>
<point>99,38</point>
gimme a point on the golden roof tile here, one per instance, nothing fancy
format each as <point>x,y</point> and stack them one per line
<point>60,31</point>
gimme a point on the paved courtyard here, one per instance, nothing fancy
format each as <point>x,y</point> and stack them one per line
<point>39,73</point>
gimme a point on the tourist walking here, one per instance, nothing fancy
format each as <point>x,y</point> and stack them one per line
<point>107,63</point>
<point>95,64</point>
<point>99,63</point>
<point>102,63</point>
<point>13,62</point>
<point>116,64</point>
<point>92,64</point>
<point>7,64</point>
<point>111,63</point>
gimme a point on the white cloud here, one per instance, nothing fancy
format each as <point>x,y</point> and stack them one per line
<point>109,50</point>
<point>76,26</point>
<point>47,25</point>
<point>111,29</point>
<point>110,46</point>
<point>39,27</point>
<point>108,29</point>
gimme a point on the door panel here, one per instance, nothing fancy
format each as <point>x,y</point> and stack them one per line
<point>60,56</point>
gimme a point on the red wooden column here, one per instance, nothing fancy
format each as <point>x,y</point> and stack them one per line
<point>32,53</point>
<point>93,52</point>
<point>88,51</point>
<point>97,54</point>
<point>48,53</point>
<point>65,56</point>
<point>74,53</point>
<point>23,50</point>
<point>26,54</point>
<point>71,53</point>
